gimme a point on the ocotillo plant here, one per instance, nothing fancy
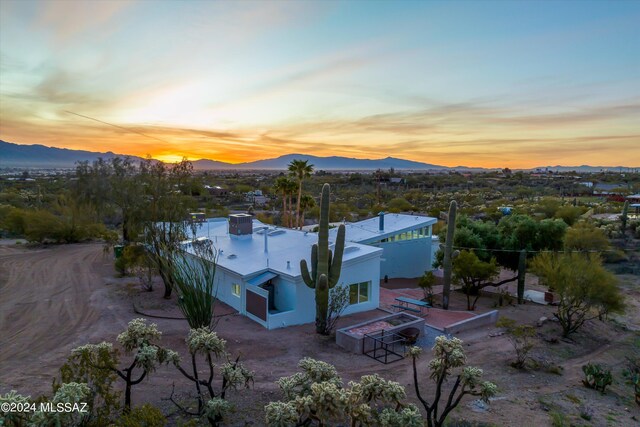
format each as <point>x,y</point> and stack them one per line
<point>325,266</point>
<point>522,271</point>
<point>448,252</point>
<point>624,216</point>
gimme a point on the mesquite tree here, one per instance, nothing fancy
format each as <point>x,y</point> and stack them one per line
<point>449,356</point>
<point>587,290</point>
<point>325,265</point>
<point>448,254</point>
<point>316,396</point>
<point>139,339</point>
<point>212,403</point>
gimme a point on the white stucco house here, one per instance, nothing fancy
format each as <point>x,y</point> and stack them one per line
<point>406,240</point>
<point>258,271</point>
<point>258,266</point>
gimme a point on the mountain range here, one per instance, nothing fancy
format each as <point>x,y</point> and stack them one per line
<point>39,156</point>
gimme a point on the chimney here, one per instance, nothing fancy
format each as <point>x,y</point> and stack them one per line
<point>381,221</point>
<point>240,225</point>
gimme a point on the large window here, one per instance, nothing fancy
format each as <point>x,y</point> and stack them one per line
<point>235,289</point>
<point>418,233</point>
<point>359,292</point>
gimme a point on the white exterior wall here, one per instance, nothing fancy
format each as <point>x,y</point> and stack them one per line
<point>406,258</point>
<point>367,270</point>
<point>222,289</point>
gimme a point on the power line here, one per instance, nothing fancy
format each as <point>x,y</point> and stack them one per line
<point>542,251</point>
<point>119,127</point>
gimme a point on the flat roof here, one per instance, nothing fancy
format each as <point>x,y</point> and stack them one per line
<point>367,230</point>
<point>245,255</point>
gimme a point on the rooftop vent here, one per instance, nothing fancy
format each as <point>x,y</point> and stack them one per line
<point>232,256</point>
<point>240,224</point>
<point>349,249</point>
<point>276,232</point>
<point>381,221</point>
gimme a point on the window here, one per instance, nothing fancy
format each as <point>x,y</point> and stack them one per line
<point>359,293</point>
<point>235,289</point>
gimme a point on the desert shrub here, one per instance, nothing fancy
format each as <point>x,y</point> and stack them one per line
<point>585,236</point>
<point>569,213</point>
<point>338,302</point>
<point>143,416</point>
<point>521,337</point>
<point>596,377</point>
<point>632,375</point>
<point>558,419</point>
<point>426,283</point>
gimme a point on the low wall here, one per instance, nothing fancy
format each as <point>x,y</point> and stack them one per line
<point>354,342</point>
<point>485,319</point>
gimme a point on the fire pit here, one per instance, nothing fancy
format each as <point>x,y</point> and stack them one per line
<point>410,335</point>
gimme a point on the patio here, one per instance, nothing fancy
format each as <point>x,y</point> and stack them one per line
<point>436,318</point>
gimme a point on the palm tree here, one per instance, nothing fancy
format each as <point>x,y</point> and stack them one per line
<point>300,169</point>
<point>286,187</point>
<point>292,187</point>
<point>306,202</point>
<point>282,186</point>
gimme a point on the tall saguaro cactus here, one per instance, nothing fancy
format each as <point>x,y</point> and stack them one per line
<point>624,217</point>
<point>522,271</point>
<point>325,266</point>
<point>448,254</point>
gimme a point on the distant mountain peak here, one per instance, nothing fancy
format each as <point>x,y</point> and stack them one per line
<point>40,156</point>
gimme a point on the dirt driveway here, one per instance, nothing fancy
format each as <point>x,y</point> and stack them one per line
<point>47,306</point>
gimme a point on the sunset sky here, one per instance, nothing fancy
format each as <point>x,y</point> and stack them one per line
<point>478,83</point>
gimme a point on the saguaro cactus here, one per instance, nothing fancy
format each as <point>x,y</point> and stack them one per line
<point>448,254</point>
<point>624,217</point>
<point>325,265</point>
<point>522,271</point>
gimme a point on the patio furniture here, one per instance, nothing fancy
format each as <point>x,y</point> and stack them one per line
<point>411,304</point>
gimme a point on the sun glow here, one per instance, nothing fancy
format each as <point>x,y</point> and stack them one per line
<point>168,158</point>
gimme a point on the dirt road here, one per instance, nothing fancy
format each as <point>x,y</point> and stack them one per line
<point>47,305</point>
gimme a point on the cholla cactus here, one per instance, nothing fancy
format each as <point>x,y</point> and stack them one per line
<point>205,344</point>
<point>139,338</point>
<point>217,408</point>
<point>281,414</point>
<point>316,396</point>
<point>69,394</point>
<point>449,356</point>
<point>138,333</point>
<point>204,341</point>
<point>14,418</point>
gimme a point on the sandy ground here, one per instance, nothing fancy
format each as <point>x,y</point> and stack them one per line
<point>53,299</point>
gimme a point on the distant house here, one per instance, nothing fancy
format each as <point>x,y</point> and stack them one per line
<point>256,198</point>
<point>217,191</point>
<point>634,198</point>
<point>258,271</point>
<point>614,192</point>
